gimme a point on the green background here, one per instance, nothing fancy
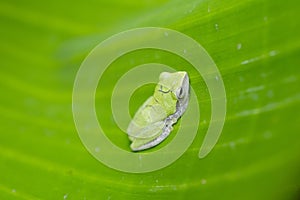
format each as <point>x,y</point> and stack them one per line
<point>255,44</point>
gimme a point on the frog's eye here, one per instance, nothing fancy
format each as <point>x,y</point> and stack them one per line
<point>180,93</point>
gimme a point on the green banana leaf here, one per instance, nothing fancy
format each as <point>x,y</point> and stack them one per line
<point>254,43</point>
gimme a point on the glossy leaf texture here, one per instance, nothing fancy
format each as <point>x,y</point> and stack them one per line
<point>256,46</point>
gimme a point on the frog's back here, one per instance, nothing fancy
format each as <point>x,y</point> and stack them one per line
<point>149,113</point>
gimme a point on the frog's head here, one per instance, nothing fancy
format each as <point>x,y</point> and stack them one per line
<point>177,82</point>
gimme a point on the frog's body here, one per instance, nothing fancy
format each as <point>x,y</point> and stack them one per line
<point>153,121</point>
